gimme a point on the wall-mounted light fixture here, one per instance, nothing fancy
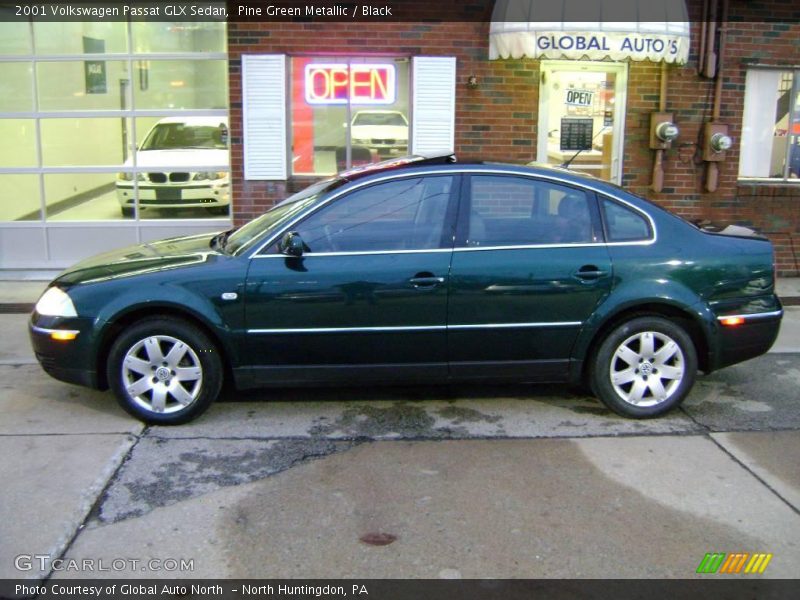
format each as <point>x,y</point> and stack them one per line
<point>472,82</point>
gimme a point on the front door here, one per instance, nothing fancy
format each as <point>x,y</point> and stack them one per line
<point>368,293</point>
<point>528,270</point>
<point>581,116</point>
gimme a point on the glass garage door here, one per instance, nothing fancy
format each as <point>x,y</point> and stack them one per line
<point>111,133</point>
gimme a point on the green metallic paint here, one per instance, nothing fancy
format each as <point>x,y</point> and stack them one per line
<point>531,285</point>
<point>685,271</point>
<point>362,290</point>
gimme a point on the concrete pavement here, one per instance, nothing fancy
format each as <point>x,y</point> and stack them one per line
<point>591,507</point>
<point>472,481</point>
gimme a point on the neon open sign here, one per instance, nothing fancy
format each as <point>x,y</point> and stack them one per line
<point>360,83</point>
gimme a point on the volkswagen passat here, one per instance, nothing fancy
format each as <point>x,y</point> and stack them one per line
<point>418,271</point>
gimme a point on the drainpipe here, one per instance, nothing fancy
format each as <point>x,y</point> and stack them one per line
<point>701,55</point>
<point>658,163</point>
<point>710,58</point>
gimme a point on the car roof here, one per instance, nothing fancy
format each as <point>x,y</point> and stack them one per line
<point>438,161</point>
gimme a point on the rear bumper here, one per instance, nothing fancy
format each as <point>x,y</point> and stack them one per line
<point>753,337</point>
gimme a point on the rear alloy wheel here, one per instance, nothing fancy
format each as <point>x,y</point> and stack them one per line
<point>644,367</point>
<point>164,371</point>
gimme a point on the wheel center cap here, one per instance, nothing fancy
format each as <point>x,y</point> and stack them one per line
<point>646,368</point>
<point>162,373</point>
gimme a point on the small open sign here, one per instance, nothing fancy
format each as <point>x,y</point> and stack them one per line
<point>579,98</point>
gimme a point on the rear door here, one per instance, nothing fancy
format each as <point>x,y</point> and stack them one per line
<point>528,270</point>
<point>368,297</point>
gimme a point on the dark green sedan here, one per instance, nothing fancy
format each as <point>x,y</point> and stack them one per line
<point>418,270</point>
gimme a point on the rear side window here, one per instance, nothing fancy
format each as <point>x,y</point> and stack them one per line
<point>624,224</point>
<point>519,211</point>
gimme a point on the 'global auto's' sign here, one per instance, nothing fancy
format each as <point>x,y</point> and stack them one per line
<point>336,83</point>
<point>581,45</point>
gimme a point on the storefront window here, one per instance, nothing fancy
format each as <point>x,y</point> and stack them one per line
<point>75,130</point>
<point>347,112</point>
<point>770,146</point>
<point>20,201</point>
<point>14,38</point>
<point>17,143</point>
<point>80,37</point>
<point>82,85</point>
<point>16,91</point>
<point>180,84</point>
<point>80,197</point>
<point>84,142</point>
<point>156,36</point>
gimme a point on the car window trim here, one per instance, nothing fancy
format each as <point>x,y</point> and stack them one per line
<point>255,250</point>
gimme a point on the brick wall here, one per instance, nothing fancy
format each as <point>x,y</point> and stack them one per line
<point>497,120</point>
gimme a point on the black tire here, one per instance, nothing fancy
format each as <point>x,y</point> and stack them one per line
<point>127,212</point>
<point>659,378</point>
<point>183,383</point>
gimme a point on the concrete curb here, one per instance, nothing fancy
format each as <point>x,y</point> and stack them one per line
<point>89,498</point>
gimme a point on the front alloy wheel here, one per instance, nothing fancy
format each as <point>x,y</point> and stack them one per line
<point>162,374</point>
<point>645,367</point>
<point>164,371</point>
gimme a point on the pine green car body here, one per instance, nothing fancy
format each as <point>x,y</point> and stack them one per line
<point>502,313</point>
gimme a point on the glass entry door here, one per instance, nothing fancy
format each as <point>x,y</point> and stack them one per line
<point>582,116</point>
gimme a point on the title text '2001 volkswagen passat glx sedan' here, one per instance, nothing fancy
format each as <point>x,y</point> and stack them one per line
<point>418,270</point>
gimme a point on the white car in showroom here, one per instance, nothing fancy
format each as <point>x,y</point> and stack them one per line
<point>384,131</point>
<point>185,162</point>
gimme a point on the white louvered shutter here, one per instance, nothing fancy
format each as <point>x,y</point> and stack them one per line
<point>434,106</point>
<point>264,116</point>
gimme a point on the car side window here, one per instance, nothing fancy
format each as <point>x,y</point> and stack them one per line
<point>405,214</point>
<point>624,224</point>
<point>519,211</point>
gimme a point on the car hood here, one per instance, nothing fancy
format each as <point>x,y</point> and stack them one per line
<point>195,159</point>
<point>379,131</point>
<point>143,258</point>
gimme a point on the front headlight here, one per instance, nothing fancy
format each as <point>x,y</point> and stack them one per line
<point>209,175</point>
<point>125,176</point>
<point>56,303</point>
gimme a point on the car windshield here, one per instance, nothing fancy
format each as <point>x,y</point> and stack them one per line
<point>176,136</point>
<point>278,215</point>
<point>377,118</point>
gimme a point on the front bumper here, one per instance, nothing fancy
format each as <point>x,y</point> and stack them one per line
<point>70,361</point>
<point>175,196</point>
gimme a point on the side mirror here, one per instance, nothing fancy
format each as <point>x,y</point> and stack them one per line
<point>291,244</point>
